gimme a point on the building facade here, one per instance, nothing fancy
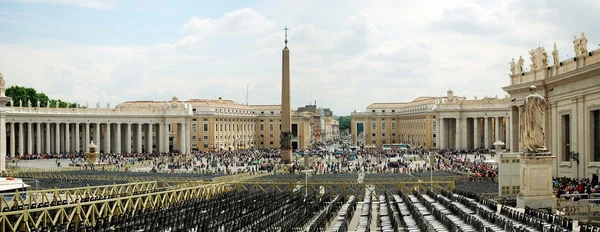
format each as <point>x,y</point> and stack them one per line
<point>572,120</point>
<point>149,126</point>
<point>388,123</point>
<point>434,122</point>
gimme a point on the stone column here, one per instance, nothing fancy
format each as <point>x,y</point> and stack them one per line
<point>497,129</point>
<point>57,138</point>
<point>12,140</point>
<point>87,137</point>
<point>107,139</point>
<point>67,138</point>
<point>47,139</point>
<point>165,137</point>
<point>181,137</point>
<point>148,137</point>
<point>118,147</point>
<point>476,136</point>
<point>29,138</point>
<point>138,138</point>
<point>97,137</point>
<point>457,135</point>
<point>443,131</point>
<point>507,133</point>
<point>486,132</point>
<point>3,141</point>
<point>514,127</point>
<point>127,138</point>
<point>38,138</point>
<point>77,142</point>
<point>464,133</point>
<point>188,141</point>
<point>21,139</point>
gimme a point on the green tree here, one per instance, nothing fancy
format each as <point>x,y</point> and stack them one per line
<point>26,95</point>
<point>344,122</point>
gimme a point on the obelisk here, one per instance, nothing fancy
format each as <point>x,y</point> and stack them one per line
<point>286,118</point>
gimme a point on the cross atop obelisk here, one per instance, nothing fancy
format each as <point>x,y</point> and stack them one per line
<point>286,29</point>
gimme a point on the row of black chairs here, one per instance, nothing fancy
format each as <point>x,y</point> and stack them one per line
<point>550,218</point>
<point>364,221</point>
<point>320,222</point>
<point>344,215</point>
<point>389,215</point>
<point>424,219</point>
<point>507,217</point>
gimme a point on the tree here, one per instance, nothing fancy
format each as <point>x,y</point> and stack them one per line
<point>344,122</point>
<point>26,95</point>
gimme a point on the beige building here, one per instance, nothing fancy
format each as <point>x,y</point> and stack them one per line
<point>572,121</point>
<point>388,123</point>
<point>149,126</point>
<point>433,122</point>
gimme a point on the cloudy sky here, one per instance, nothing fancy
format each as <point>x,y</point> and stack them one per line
<point>344,54</point>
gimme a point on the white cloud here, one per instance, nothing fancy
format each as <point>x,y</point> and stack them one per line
<point>241,22</point>
<point>94,4</point>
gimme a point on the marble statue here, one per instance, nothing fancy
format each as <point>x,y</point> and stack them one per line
<point>28,103</point>
<point>475,97</point>
<point>98,105</point>
<point>2,85</point>
<point>576,45</point>
<point>48,104</point>
<point>533,57</point>
<point>544,59</point>
<point>532,123</point>
<point>20,103</point>
<point>57,104</point>
<point>12,104</point>
<point>108,105</point>
<point>520,64</point>
<point>582,44</point>
<point>555,54</point>
<point>38,104</point>
<point>513,67</point>
<point>87,105</point>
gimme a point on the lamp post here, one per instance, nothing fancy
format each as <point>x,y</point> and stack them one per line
<point>575,156</point>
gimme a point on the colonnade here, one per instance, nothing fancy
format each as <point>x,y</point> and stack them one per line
<point>473,132</point>
<point>110,137</point>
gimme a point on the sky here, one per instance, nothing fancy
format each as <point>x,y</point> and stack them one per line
<point>345,54</point>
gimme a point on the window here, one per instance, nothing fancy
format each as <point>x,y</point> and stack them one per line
<point>205,145</point>
<point>271,127</point>
<point>194,128</point>
<point>393,125</point>
<point>433,125</point>
<point>205,127</point>
<point>383,126</point>
<point>566,137</point>
<point>382,111</point>
<point>271,142</point>
<point>596,134</point>
<point>194,137</point>
<point>205,137</point>
<point>271,135</point>
<point>373,111</point>
<point>393,111</point>
<point>374,126</point>
<point>262,127</point>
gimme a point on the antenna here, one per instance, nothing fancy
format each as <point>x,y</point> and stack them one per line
<point>247,87</point>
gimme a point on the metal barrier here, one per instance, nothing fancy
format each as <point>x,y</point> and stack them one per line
<point>87,213</point>
<point>41,198</point>
<point>582,207</point>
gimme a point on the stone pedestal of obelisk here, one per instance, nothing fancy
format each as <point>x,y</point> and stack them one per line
<point>3,100</point>
<point>536,181</point>
<point>285,137</point>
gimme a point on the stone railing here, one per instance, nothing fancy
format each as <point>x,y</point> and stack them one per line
<point>563,67</point>
<point>98,111</point>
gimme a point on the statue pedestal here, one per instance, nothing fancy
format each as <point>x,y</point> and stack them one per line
<point>536,181</point>
<point>286,156</point>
